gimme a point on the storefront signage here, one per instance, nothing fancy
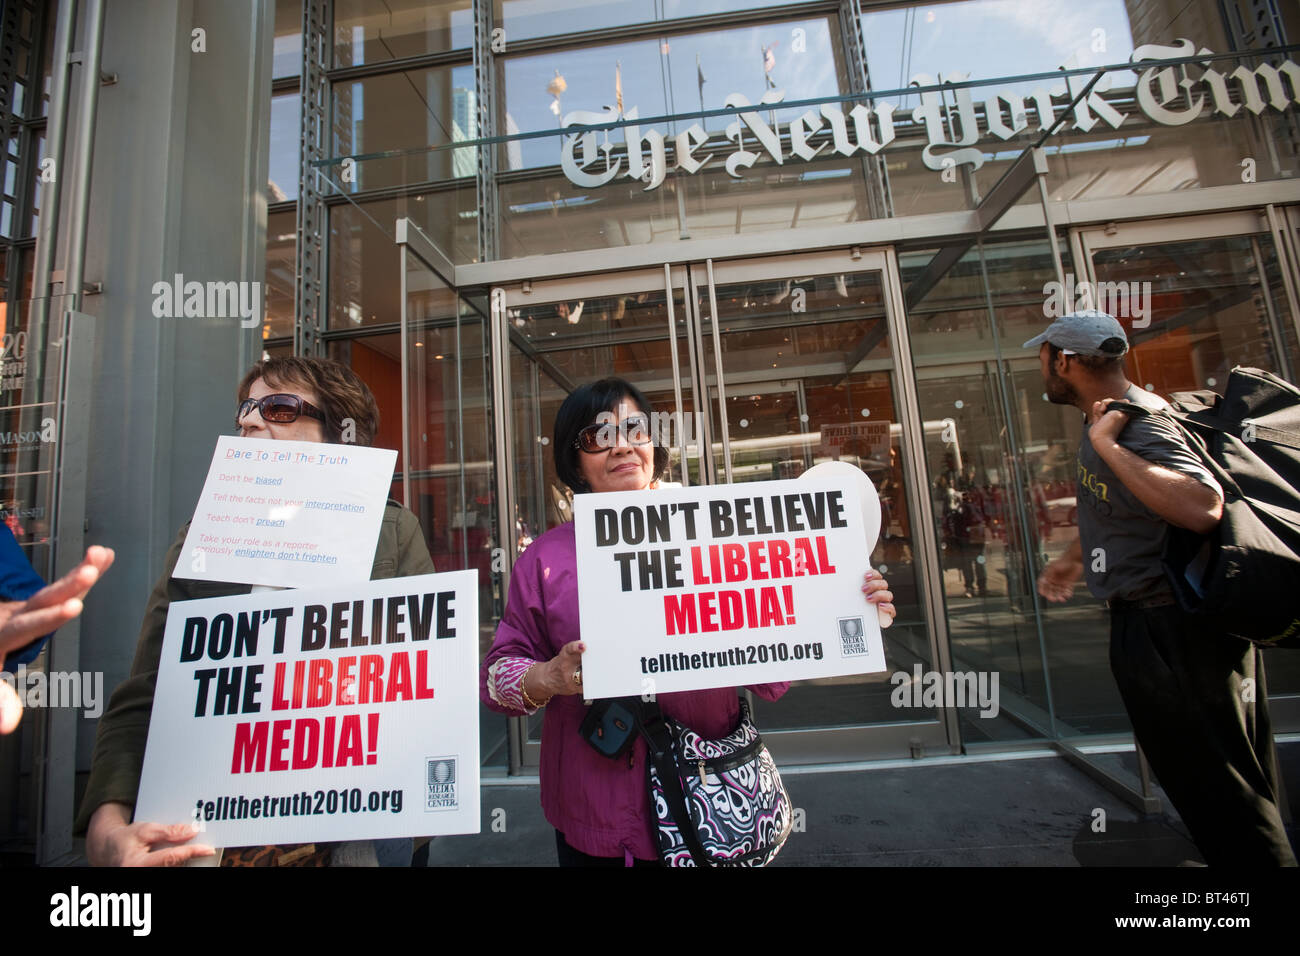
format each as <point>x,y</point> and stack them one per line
<point>1164,94</point>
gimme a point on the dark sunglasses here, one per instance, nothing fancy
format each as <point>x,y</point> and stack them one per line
<point>280,409</point>
<point>635,430</point>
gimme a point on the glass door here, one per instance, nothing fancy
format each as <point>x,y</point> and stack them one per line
<point>798,356</point>
<point>555,335</point>
<point>798,369</point>
<point>1200,295</point>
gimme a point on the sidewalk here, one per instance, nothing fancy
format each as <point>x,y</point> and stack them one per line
<point>1022,811</point>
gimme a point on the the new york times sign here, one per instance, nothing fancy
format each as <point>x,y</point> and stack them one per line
<point>1164,94</point>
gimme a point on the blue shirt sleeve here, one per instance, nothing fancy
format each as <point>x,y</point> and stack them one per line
<point>18,582</point>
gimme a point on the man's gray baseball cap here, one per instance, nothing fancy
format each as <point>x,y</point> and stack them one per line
<point>1083,333</point>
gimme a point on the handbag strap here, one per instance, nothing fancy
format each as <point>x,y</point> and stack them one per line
<point>659,741</point>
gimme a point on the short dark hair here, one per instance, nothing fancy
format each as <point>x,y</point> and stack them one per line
<point>580,409</point>
<point>343,396</point>
<point>1097,364</point>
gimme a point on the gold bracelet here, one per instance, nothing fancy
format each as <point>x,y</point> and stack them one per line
<point>523,689</point>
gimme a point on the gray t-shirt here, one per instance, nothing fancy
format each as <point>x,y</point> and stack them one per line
<point>1111,518</point>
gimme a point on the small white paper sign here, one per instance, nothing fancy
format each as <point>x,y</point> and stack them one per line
<point>344,713</point>
<point>288,513</point>
<point>723,586</point>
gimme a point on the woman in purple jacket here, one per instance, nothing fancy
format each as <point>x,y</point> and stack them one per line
<point>600,808</point>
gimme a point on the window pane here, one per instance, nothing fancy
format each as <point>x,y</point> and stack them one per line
<point>372,31</point>
<point>281,236</point>
<point>411,110</point>
<point>29,225</point>
<point>659,76</point>
<point>364,267</point>
<point>547,212</point>
<point>286,116</point>
<point>527,19</point>
<point>286,58</point>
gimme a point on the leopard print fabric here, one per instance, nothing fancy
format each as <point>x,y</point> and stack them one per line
<point>288,854</point>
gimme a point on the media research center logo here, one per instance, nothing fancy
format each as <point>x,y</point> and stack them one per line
<point>441,791</point>
<point>853,638</point>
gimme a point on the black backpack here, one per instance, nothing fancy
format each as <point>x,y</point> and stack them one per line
<point>1247,570</point>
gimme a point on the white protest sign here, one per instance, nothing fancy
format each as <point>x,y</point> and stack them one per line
<point>295,716</point>
<point>722,586</point>
<point>866,439</point>
<point>288,513</point>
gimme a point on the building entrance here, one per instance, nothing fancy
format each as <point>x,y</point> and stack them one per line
<point>764,367</point>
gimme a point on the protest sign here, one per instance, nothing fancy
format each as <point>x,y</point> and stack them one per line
<point>326,714</point>
<point>722,586</point>
<point>868,440</point>
<point>288,513</point>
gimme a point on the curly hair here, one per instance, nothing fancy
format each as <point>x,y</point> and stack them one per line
<point>340,392</point>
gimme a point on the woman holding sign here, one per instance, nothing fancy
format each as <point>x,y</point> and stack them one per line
<point>600,807</point>
<point>283,399</point>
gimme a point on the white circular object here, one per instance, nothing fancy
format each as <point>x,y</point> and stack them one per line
<point>744,423</point>
<point>958,404</point>
<point>866,413</point>
<point>1211,382</point>
<point>846,473</point>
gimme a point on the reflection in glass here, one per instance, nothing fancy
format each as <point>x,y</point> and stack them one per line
<point>805,365</point>
<point>660,76</point>
<point>1210,310</point>
<point>363,274</point>
<point>281,273</point>
<point>1000,481</point>
<point>286,116</point>
<point>373,31</point>
<point>528,19</point>
<point>415,109</point>
<point>286,58</point>
<point>559,344</point>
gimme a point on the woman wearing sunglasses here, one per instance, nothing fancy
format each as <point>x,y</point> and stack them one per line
<point>599,807</point>
<point>282,399</point>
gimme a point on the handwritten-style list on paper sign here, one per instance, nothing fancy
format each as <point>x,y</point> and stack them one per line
<point>288,513</point>
<point>722,586</point>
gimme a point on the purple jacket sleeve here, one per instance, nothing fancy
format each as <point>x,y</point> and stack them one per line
<point>522,634</point>
<point>770,691</point>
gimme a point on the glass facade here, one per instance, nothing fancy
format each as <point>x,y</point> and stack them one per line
<point>790,223</point>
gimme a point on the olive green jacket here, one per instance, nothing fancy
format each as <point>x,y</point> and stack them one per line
<point>124,728</point>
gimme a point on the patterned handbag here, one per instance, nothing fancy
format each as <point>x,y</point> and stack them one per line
<point>718,802</point>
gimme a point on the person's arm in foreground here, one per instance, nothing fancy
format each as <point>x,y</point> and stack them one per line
<point>22,622</point>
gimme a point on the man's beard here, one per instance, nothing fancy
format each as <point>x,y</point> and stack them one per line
<point>1059,391</point>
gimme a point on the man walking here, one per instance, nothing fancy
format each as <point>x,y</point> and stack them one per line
<point>1196,697</point>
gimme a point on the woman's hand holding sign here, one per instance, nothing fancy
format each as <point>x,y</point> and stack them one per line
<point>559,676</point>
<point>877,591</point>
